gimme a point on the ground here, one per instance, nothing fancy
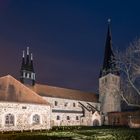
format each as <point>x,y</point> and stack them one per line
<point>76,133</point>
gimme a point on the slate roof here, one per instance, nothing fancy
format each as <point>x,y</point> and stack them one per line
<point>13,91</point>
<point>109,64</point>
<point>51,91</point>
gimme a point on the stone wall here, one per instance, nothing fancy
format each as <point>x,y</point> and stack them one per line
<point>109,88</point>
<point>124,118</point>
<point>23,116</point>
<point>66,112</point>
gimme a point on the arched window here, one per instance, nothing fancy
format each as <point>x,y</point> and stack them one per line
<point>9,120</point>
<point>95,122</point>
<point>36,119</point>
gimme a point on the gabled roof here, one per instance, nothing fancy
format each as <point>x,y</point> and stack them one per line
<point>13,91</point>
<point>57,92</point>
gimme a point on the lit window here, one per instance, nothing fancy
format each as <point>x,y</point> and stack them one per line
<point>24,74</point>
<point>9,120</point>
<point>32,76</point>
<point>55,103</point>
<point>36,119</point>
<point>58,117</point>
<point>28,75</point>
<point>68,117</point>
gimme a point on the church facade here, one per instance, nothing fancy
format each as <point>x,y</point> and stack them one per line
<point>27,105</point>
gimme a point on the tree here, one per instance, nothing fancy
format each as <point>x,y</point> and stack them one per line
<point>128,62</point>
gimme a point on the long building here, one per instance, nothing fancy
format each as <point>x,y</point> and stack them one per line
<point>27,105</point>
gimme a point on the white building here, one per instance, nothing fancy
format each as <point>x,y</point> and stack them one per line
<point>26,105</point>
<point>21,108</point>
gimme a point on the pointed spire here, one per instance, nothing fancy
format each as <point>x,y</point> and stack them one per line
<point>23,54</point>
<point>31,64</point>
<point>27,50</point>
<point>109,65</point>
<point>23,61</point>
<point>31,57</point>
<point>27,60</point>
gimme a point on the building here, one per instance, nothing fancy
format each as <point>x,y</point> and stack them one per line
<point>27,105</point>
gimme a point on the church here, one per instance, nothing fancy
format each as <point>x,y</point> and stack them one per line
<point>27,105</point>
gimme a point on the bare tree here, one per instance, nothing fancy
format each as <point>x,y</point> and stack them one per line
<point>128,62</point>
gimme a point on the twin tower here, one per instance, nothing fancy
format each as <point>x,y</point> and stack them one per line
<point>27,74</point>
<point>109,80</point>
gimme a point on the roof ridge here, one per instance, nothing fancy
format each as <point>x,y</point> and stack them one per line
<point>65,88</point>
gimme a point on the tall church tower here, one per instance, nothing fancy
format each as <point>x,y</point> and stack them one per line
<point>109,80</point>
<point>27,74</point>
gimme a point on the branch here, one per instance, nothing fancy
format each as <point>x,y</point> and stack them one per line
<point>127,102</point>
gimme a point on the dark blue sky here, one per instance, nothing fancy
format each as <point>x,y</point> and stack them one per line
<point>67,37</point>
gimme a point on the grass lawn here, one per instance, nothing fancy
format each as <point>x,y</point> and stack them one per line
<point>77,133</point>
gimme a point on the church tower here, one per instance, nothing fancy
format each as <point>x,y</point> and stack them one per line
<point>109,80</point>
<point>27,74</point>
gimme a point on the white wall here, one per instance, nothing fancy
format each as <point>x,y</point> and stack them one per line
<point>69,110</point>
<point>23,114</point>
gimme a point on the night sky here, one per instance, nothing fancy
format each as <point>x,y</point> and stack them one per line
<point>67,37</point>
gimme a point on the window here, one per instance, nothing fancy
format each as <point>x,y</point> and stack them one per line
<point>9,120</point>
<point>102,81</point>
<point>66,104</point>
<point>77,118</point>
<point>113,120</point>
<point>24,107</point>
<point>58,117</point>
<point>55,103</point>
<point>36,119</point>
<point>118,120</point>
<point>68,117</point>
<point>74,104</point>
<point>28,75</point>
<point>32,75</point>
<point>105,80</point>
<point>24,74</point>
